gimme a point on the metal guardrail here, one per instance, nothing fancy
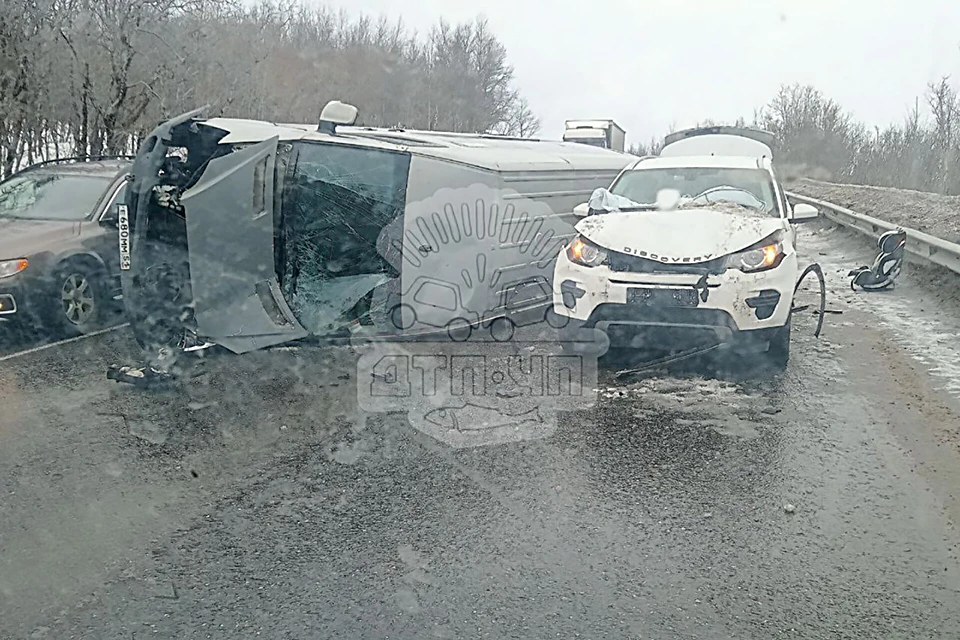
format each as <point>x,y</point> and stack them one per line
<point>919,244</point>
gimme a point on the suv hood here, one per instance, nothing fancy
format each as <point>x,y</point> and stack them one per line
<point>678,235</point>
<point>21,238</point>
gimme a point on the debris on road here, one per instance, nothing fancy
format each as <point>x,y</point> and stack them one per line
<point>142,377</point>
<point>817,270</point>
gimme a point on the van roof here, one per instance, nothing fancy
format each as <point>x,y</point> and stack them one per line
<point>484,151</point>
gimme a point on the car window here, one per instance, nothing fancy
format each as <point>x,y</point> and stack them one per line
<point>440,295</point>
<point>643,185</point>
<point>119,197</point>
<point>46,195</point>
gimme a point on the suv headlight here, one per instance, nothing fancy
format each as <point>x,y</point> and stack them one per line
<point>12,267</point>
<point>764,255</point>
<point>583,252</point>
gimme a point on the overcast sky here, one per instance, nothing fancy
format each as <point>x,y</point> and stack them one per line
<point>650,64</point>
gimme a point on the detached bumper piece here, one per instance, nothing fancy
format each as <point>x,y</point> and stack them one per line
<point>142,377</point>
<point>764,304</point>
<point>8,304</point>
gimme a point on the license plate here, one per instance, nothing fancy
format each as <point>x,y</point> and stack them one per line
<point>663,297</point>
<point>123,226</point>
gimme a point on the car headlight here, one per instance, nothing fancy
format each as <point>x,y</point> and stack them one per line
<point>583,252</point>
<point>766,254</point>
<point>12,267</point>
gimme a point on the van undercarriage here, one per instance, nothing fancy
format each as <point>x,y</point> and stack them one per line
<point>230,246</point>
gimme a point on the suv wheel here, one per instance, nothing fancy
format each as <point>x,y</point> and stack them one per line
<point>79,299</point>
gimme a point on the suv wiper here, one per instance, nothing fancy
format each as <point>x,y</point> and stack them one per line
<point>645,207</point>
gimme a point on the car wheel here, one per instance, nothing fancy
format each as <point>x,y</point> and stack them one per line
<point>779,351</point>
<point>403,316</point>
<point>554,319</point>
<point>459,330</point>
<point>80,298</point>
<point>502,329</point>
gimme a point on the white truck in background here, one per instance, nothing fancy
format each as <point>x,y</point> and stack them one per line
<point>598,133</point>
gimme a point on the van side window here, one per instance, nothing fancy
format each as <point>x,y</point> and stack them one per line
<point>335,205</point>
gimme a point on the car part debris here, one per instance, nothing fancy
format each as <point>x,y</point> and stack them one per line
<point>199,347</point>
<point>671,359</point>
<point>143,377</point>
<point>887,265</point>
<point>818,271</point>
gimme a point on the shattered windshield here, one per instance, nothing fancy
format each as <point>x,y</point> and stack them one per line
<point>42,195</point>
<point>701,186</point>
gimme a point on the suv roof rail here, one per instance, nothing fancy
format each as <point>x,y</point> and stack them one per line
<point>73,159</point>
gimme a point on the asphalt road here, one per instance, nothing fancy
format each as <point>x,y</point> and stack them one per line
<point>258,501</point>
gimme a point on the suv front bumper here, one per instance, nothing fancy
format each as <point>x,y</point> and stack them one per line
<point>736,302</point>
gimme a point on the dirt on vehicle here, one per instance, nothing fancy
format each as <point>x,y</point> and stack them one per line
<point>932,213</point>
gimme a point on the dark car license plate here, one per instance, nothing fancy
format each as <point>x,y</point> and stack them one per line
<point>663,297</point>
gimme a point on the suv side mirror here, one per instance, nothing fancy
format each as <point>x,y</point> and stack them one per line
<point>582,210</point>
<point>803,212</point>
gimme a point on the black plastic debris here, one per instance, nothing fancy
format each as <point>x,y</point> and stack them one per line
<point>887,265</point>
<point>816,270</point>
<point>142,377</point>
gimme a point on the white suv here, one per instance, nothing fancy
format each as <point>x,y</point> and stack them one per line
<point>718,264</point>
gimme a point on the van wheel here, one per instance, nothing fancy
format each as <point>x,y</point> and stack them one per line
<point>79,298</point>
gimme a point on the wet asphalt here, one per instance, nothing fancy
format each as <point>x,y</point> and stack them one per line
<point>259,501</point>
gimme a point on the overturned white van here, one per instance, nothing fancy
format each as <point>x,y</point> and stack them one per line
<point>248,234</point>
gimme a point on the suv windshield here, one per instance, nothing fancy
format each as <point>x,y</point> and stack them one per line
<point>720,185</point>
<point>46,195</point>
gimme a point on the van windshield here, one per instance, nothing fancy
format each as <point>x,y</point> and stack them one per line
<point>747,187</point>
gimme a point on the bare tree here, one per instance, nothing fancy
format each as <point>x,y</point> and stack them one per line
<point>92,76</point>
<point>521,120</point>
<point>22,29</point>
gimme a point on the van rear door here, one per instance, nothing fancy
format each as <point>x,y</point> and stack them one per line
<point>230,239</point>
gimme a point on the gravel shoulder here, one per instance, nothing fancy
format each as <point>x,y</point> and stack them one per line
<point>931,213</point>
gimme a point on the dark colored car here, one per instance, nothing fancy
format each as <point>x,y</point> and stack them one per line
<point>59,257</point>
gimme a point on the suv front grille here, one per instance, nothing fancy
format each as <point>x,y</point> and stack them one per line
<point>626,263</point>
